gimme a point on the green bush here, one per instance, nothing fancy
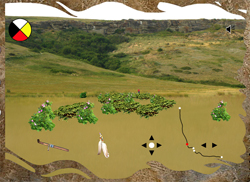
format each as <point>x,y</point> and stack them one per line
<point>124,70</point>
<point>83,95</point>
<point>39,31</point>
<point>35,50</point>
<point>221,93</point>
<point>215,27</point>
<point>118,39</point>
<point>187,72</point>
<point>108,108</point>
<point>178,71</point>
<point>220,112</point>
<point>145,52</point>
<point>132,34</point>
<point>12,54</point>
<point>54,70</point>
<point>186,68</point>
<point>111,74</point>
<point>160,49</point>
<point>96,62</point>
<point>43,118</point>
<point>119,31</point>
<point>124,102</point>
<point>169,30</point>
<point>238,61</point>
<point>217,70</point>
<point>86,114</point>
<point>113,64</point>
<point>120,55</point>
<point>66,50</point>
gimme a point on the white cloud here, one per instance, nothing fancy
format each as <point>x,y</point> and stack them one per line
<point>119,11</point>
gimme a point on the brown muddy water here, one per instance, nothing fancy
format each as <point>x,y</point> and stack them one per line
<point>124,135</point>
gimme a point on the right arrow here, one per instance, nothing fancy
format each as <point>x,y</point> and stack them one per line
<point>158,145</point>
<point>213,145</point>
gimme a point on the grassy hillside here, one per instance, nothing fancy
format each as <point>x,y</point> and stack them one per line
<point>38,74</point>
<point>72,61</point>
<point>211,56</point>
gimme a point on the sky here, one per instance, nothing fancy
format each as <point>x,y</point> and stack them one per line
<point>119,11</point>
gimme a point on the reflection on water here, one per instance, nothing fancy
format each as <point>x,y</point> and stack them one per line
<point>124,135</point>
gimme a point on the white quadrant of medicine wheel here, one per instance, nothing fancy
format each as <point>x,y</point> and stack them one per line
<point>20,23</point>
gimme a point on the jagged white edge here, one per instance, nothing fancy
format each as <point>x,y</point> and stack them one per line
<point>218,3</point>
<point>243,11</point>
<point>68,9</point>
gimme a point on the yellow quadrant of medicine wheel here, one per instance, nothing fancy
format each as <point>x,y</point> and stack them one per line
<point>26,29</point>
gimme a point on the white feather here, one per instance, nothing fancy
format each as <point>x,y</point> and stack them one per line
<point>99,147</point>
<point>105,150</point>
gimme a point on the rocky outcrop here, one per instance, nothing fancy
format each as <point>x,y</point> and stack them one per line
<point>134,26</point>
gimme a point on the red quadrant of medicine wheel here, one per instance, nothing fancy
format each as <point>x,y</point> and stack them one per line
<point>20,36</point>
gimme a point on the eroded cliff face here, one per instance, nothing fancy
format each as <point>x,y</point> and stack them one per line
<point>134,26</point>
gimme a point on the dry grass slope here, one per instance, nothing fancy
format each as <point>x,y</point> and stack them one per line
<point>204,55</point>
<point>31,74</point>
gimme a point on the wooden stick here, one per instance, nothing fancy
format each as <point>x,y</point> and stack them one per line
<point>52,146</point>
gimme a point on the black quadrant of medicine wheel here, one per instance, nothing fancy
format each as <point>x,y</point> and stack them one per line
<point>157,145</point>
<point>13,29</point>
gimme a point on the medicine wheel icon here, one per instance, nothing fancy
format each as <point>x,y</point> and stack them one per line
<point>20,29</point>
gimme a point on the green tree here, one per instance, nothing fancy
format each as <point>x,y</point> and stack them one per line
<point>66,50</point>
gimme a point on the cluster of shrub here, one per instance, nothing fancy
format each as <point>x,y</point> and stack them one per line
<point>77,44</point>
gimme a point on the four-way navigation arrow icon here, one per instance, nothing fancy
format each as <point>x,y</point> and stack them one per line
<point>151,145</point>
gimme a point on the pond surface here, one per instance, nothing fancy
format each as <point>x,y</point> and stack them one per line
<point>124,135</point>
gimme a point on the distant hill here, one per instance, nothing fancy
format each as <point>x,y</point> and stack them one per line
<point>128,26</point>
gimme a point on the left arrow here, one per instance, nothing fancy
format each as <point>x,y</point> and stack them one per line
<point>145,145</point>
<point>204,145</point>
